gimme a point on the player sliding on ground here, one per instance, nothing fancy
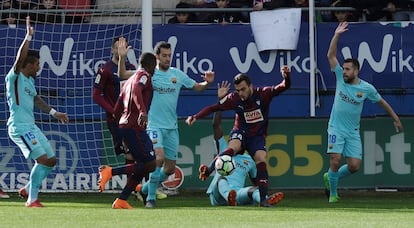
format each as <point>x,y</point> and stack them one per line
<point>230,190</point>
<point>252,118</point>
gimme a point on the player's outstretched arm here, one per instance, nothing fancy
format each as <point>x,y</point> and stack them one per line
<point>123,49</point>
<point>24,47</point>
<point>42,105</point>
<point>333,61</point>
<point>222,90</point>
<point>397,122</point>
<point>208,79</point>
<point>285,84</point>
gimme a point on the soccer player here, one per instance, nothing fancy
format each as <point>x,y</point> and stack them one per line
<point>252,117</point>
<point>343,127</point>
<point>106,91</point>
<point>230,190</point>
<point>162,123</point>
<point>22,129</point>
<point>131,110</point>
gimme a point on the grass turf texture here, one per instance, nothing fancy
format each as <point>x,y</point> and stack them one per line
<point>192,209</point>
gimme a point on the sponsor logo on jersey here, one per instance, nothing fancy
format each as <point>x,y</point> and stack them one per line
<point>253,116</point>
<point>347,99</point>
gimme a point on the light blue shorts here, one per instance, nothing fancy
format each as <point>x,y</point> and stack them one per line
<point>348,144</point>
<point>31,141</point>
<point>165,138</point>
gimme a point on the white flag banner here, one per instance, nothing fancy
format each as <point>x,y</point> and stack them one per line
<point>276,29</point>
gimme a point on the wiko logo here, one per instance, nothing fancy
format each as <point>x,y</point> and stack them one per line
<point>75,62</point>
<point>397,60</point>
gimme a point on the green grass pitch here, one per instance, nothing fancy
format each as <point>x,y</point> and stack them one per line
<point>304,208</point>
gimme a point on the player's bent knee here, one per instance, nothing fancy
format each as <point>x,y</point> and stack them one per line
<point>353,168</point>
<point>52,162</point>
<point>44,160</point>
<point>169,171</point>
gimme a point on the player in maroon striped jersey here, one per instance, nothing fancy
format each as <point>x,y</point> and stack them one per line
<point>131,110</point>
<point>252,117</point>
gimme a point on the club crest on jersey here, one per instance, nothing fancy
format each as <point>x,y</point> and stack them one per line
<point>330,146</point>
<point>174,80</point>
<point>34,142</point>
<point>253,116</point>
<point>359,94</point>
<point>143,79</point>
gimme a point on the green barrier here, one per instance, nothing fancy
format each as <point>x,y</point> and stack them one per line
<point>297,153</point>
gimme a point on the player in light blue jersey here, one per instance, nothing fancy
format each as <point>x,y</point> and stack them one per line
<point>230,190</point>
<point>22,97</point>
<point>343,128</point>
<point>162,117</point>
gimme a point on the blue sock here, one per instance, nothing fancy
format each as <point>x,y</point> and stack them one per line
<point>256,196</point>
<point>224,188</point>
<point>163,176</point>
<point>333,182</point>
<point>144,188</point>
<point>152,184</point>
<point>37,175</point>
<point>344,171</point>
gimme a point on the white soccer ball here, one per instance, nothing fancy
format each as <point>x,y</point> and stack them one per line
<point>225,165</point>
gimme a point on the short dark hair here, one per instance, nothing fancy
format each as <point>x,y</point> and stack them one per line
<point>161,44</point>
<point>241,77</point>
<point>147,59</point>
<point>32,57</point>
<point>354,62</point>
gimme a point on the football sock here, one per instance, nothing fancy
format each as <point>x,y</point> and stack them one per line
<point>152,184</point>
<point>223,187</point>
<point>343,171</point>
<point>253,195</point>
<point>256,196</point>
<point>132,182</point>
<point>163,176</point>
<point>262,180</point>
<point>333,182</point>
<point>38,173</point>
<point>126,169</point>
<point>127,162</point>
